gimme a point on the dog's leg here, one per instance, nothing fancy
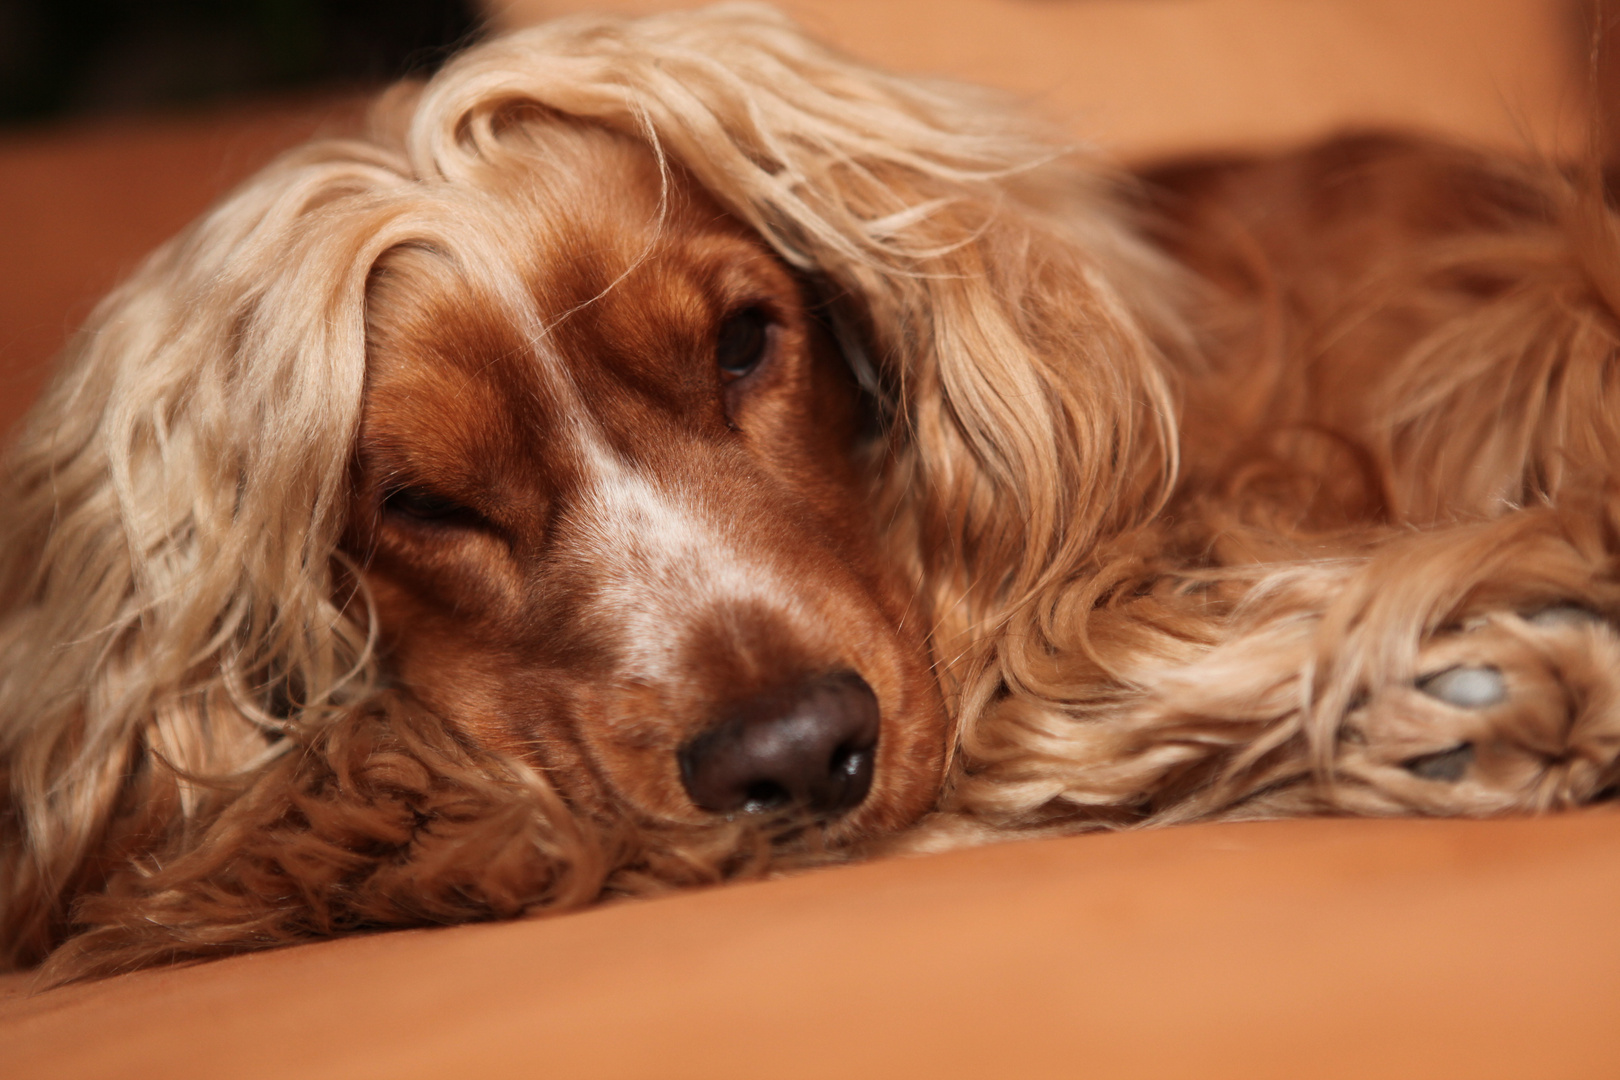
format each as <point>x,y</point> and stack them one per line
<point>1471,670</point>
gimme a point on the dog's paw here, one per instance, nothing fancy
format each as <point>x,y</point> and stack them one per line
<point>1511,711</point>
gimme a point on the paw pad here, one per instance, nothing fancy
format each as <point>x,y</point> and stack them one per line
<point>1447,765</point>
<point>1563,615</point>
<point>1466,687</point>
<point>1517,708</point>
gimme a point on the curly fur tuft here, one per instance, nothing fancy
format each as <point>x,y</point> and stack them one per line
<point>379,819</point>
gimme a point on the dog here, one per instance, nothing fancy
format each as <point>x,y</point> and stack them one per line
<point>667,450</point>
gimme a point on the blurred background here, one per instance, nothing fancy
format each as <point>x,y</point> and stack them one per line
<point>120,120</point>
<point>99,57</point>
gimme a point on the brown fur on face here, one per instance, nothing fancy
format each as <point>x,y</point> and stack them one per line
<point>640,541</point>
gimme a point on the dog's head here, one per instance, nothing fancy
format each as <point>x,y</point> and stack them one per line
<point>614,503</point>
<point>674,406</point>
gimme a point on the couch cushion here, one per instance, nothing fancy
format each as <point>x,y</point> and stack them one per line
<point>1290,949</point>
<point>82,204</point>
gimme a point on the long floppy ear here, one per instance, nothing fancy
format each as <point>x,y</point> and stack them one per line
<point>171,506</point>
<point>987,263</point>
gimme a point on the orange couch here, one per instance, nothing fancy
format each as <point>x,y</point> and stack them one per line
<point>1286,950</point>
<point>1295,949</point>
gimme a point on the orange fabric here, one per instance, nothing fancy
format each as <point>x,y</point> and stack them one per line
<point>1150,76</point>
<point>81,205</point>
<point>1294,949</point>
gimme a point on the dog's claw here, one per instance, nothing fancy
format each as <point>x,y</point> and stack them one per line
<point>1466,687</point>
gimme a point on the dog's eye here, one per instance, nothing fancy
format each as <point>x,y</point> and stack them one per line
<point>420,504</point>
<point>742,341</point>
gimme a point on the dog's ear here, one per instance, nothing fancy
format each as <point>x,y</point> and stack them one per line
<point>171,506</point>
<point>999,290</point>
<point>379,818</point>
<point>842,325</point>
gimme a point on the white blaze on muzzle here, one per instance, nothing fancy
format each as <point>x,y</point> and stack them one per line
<point>663,559</point>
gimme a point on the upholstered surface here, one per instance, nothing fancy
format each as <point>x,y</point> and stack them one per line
<point>1315,949</point>
<point>81,204</point>
<point>1154,76</point>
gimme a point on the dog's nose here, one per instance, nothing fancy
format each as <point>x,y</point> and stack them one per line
<point>806,746</point>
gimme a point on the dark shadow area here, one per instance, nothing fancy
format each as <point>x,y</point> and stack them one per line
<point>99,57</point>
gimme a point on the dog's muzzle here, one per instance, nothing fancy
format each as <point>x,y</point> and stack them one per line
<point>807,746</point>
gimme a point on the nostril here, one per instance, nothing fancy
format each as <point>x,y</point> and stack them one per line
<point>810,744</point>
<point>764,795</point>
<point>1447,766</point>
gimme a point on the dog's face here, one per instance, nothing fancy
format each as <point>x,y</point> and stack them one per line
<point>609,504</point>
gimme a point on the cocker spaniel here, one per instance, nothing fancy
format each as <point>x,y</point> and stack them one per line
<point>666,449</point>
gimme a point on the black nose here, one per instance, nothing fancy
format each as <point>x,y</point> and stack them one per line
<point>809,745</point>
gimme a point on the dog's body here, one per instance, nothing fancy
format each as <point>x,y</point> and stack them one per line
<point>677,449</point>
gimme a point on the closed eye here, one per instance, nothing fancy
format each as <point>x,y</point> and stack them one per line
<point>422,505</point>
<point>743,341</point>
